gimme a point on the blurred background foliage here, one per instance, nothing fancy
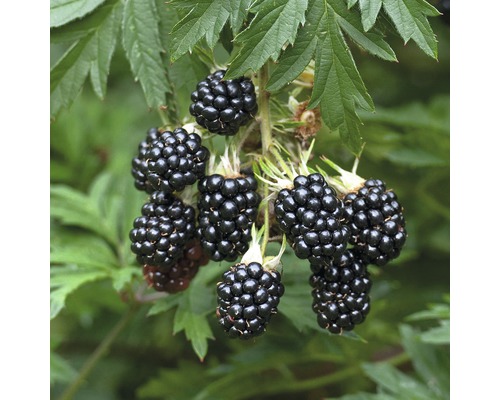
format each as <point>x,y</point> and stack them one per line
<point>400,352</point>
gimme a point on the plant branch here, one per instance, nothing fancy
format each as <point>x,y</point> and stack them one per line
<point>264,110</point>
<point>98,353</point>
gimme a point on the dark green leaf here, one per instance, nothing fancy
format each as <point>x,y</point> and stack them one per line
<point>206,19</point>
<point>410,19</point>
<point>91,53</point>
<point>274,25</point>
<point>64,11</point>
<point>400,384</point>
<point>141,41</point>
<point>369,12</point>
<point>239,11</point>
<point>371,42</point>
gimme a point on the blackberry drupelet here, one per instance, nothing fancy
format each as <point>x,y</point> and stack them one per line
<point>341,293</point>
<point>160,234</point>
<point>247,297</point>
<point>376,221</point>
<point>178,277</point>
<point>222,106</point>
<point>311,215</point>
<point>175,160</point>
<point>227,208</point>
<point>139,163</point>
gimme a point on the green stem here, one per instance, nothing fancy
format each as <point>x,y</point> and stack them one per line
<point>94,358</point>
<point>266,139</point>
<point>264,110</point>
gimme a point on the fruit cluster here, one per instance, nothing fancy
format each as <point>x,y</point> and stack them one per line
<point>340,224</point>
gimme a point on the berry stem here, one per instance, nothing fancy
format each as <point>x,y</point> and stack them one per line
<point>98,353</point>
<point>264,110</point>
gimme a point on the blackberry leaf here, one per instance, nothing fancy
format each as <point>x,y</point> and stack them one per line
<point>410,19</point>
<point>369,12</point>
<point>238,14</point>
<point>141,41</point>
<point>275,24</point>
<point>91,53</point>
<point>64,11</point>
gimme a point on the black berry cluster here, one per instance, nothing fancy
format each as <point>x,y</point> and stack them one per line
<point>139,163</point>
<point>177,278</point>
<point>247,298</point>
<point>341,293</point>
<point>376,222</point>
<point>311,216</point>
<point>169,161</point>
<point>222,106</point>
<point>227,209</point>
<point>160,234</point>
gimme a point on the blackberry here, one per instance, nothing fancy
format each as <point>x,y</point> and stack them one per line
<point>222,106</point>
<point>340,293</point>
<point>247,297</point>
<point>177,277</point>
<point>227,208</point>
<point>311,215</point>
<point>139,163</point>
<point>160,234</point>
<point>175,160</point>
<point>376,221</point>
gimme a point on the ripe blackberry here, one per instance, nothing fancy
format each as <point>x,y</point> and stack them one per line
<point>227,208</point>
<point>376,221</point>
<point>175,160</point>
<point>247,297</point>
<point>340,293</point>
<point>139,163</point>
<point>160,234</point>
<point>310,214</point>
<point>177,277</point>
<point>222,106</point>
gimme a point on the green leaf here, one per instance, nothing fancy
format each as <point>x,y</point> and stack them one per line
<point>122,276</point>
<point>206,19</point>
<point>239,12</point>
<point>74,208</point>
<point>298,301</point>
<point>64,11</point>
<point>431,363</point>
<point>436,311</point>
<point>410,19</point>
<point>141,41</point>
<point>274,25</point>
<point>65,280</point>
<point>365,396</point>
<point>437,335</point>
<point>337,83</point>
<point>83,250</point>
<point>60,370</point>
<point>369,12</point>
<point>165,304</point>
<point>371,42</point>
<point>91,53</point>
<point>400,384</point>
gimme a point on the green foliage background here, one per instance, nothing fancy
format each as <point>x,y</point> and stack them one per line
<point>400,352</point>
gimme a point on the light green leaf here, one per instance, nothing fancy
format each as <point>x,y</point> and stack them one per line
<point>369,12</point>
<point>410,19</point>
<point>400,384</point>
<point>206,19</point>
<point>141,41</point>
<point>65,280</point>
<point>89,251</point>
<point>60,370</point>
<point>165,304</point>
<point>432,364</point>
<point>93,51</point>
<point>414,158</point>
<point>122,276</point>
<point>437,335</point>
<point>436,311</point>
<point>366,396</point>
<point>350,3</point>
<point>274,25</point>
<point>64,11</point>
